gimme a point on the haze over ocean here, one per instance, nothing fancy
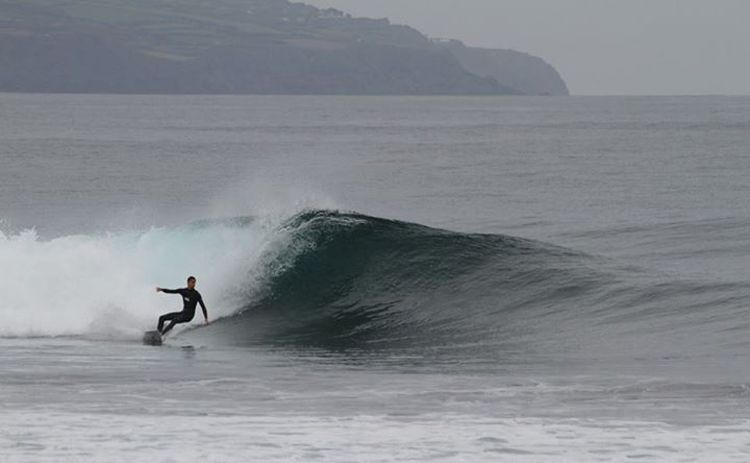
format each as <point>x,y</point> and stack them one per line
<point>392,279</point>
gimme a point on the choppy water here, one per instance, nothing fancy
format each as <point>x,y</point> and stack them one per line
<point>393,279</point>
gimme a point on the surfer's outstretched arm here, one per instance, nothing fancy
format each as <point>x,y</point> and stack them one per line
<point>203,307</point>
<point>168,291</point>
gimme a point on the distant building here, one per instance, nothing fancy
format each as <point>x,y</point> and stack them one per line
<point>332,13</point>
<point>441,40</point>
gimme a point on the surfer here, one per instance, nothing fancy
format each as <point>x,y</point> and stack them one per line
<point>190,298</point>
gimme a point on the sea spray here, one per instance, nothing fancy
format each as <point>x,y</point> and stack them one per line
<point>104,284</point>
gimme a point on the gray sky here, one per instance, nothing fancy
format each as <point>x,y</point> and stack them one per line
<point>642,47</point>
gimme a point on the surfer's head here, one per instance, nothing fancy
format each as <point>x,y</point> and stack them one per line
<point>191,282</point>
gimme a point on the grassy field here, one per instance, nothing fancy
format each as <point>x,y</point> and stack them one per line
<point>176,27</point>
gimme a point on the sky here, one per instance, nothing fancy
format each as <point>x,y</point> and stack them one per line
<point>601,47</point>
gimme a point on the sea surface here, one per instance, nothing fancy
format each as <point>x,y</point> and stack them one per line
<point>388,279</point>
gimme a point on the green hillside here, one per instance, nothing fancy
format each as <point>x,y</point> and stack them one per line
<point>219,46</point>
<point>191,26</point>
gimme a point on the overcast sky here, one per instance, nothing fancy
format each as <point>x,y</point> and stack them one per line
<point>641,47</point>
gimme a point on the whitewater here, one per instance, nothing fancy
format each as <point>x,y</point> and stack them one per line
<point>388,279</point>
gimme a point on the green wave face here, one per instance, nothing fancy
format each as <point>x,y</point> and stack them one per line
<point>351,281</point>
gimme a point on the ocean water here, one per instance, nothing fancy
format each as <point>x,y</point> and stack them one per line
<point>389,279</point>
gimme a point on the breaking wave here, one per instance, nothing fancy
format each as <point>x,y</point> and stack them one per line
<point>338,280</point>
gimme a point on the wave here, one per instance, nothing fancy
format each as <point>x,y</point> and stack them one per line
<point>339,280</point>
<point>345,280</point>
<point>349,280</point>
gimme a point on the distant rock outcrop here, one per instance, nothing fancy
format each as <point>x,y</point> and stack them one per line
<point>249,47</point>
<point>528,74</point>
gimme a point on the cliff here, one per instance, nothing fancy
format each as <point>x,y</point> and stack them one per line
<point>528,74</point>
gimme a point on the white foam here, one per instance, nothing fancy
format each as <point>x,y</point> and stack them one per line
<point>104,285</point>
<point>83,437</point>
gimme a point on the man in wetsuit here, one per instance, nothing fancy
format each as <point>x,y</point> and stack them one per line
<point>190,298</point>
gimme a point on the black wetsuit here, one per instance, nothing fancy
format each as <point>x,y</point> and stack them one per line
<point>190,298</point>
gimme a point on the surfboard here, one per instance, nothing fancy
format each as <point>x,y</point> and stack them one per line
<point>152,338</point>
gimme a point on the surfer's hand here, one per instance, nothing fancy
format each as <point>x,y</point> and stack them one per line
<point>158,290</point>
<point>208,322</point>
